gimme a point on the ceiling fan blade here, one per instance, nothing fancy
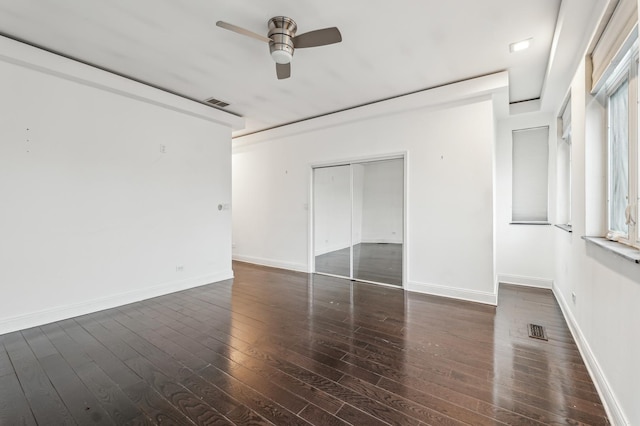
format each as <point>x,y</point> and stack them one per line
<point>240,30</point>
<point>283,71</point>
<point>318,38</point>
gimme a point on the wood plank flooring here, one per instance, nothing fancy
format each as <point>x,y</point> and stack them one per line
<point>286,348</point>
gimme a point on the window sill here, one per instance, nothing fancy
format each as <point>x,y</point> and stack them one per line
<point>620,249</point>
<point>565,227</point>
<point>528,222</point>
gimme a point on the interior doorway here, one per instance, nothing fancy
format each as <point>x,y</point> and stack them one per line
<point>358,220</point>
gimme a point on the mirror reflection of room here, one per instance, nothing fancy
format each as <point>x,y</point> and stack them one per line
<point>359,220</point>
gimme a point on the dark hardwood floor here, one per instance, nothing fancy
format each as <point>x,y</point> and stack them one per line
<point>286,348</point>
<point>380,263</point>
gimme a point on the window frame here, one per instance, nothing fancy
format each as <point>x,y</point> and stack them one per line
<point>515,216</point>
<point>565,139</point>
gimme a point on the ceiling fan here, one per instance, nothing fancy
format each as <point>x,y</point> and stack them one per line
<point>283,40</point>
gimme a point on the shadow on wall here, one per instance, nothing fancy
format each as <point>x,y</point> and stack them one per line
<point>614,262</point>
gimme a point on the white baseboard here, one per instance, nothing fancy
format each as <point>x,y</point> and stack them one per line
<point>299,267</point>
<point>330,249</point>
<point>381,241</point>
<point>58,313</point>
<point>525,281</point>
<point>454,293</point>
<point>609,400</point>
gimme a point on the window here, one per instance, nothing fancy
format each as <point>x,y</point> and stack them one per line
<point>622,149</point>
<point>530,164</point>
<point>563,169</point>
<point>618,158</point>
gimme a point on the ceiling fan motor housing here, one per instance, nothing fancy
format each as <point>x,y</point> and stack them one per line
<point>281,32</point>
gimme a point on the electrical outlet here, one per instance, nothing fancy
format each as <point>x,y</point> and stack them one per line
<point>180,268</point>
<point>163,148</point>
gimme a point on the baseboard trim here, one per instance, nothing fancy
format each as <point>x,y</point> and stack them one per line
<point>453,293</point>
<point>331,249</point>
<point>525,281</point>
<point>299,267</point>
<point>34,319</point>
<point>609,400</point>
<point>417,287</point>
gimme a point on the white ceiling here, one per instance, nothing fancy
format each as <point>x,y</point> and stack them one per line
<point>389,48</point>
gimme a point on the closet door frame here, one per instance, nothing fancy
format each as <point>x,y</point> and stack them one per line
<point>311,209</point>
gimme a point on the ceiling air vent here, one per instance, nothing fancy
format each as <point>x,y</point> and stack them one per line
<point>216,102</point>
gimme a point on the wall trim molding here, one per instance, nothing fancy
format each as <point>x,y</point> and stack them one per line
<point>38,59</point>
<point>34,319</point>
<point>491,86</point>
<point>292,266</point>
<point>484,297</point>
<point>609,400</point>
<point>525,281</point>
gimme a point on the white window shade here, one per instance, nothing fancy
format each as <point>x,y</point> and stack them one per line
<point>615,40</point>
<point>530,165</point>
<point>619,158</point>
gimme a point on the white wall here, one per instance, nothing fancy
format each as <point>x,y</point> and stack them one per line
<point>525,253</point>
<point>383,202</point>
<point>93,213</point>
<point>450,227</point>
<point>604,317</point>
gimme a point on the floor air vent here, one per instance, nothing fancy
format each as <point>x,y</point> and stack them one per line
<point>537,332</point>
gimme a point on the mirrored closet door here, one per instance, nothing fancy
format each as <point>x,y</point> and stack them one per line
<point>359,220</point>
<point>332,219</point>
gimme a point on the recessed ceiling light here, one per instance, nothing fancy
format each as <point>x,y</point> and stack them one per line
<point>520,45</point>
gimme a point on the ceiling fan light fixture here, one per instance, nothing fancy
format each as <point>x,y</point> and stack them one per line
<point>283,40</point>
<point>281,56</point>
